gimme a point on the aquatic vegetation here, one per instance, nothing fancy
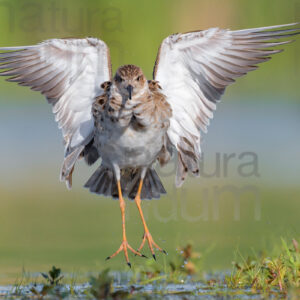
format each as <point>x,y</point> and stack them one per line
<point>53,286</point>
<point>178,269</point>
<point>101,287</point>
<point>265,275</point>
<point>268,273</point>
<point>54,276</point>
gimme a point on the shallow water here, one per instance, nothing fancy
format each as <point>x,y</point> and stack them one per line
<point>188,289</point>
<point>169,291</point>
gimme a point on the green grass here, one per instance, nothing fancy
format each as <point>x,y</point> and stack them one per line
<point>267,272</point>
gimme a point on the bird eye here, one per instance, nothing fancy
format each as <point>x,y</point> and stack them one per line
<point>118,78</point>
<point>139,78</point>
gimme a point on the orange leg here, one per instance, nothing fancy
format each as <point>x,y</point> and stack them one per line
<point>147,236</point>
<point>124,246</point>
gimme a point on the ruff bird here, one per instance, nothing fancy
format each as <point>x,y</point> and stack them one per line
<point>130,122</point>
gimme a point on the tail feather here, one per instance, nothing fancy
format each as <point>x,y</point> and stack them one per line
<point>93,178</point>
<point>95,185</point>
<point>158,182</point>
<point>153,186</point>
<point>146,190</point>
<point>103,182</point>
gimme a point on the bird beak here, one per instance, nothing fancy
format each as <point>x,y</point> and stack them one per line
<point>129,89</point>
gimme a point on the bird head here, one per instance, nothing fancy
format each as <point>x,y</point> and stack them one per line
<point>130,80</point>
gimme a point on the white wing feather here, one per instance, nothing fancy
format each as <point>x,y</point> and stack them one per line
<point>69,73</point>
<point>194,69</point>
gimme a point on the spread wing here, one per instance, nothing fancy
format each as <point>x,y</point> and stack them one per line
<point>194,69</point>
<point>69,73</point>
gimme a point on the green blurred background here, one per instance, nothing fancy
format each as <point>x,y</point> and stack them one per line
<point>237,206</point>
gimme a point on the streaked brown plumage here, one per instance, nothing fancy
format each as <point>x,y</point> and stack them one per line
<point>130,122</point>
<point>149,109</point>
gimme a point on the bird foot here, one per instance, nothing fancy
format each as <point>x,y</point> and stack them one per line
<point>125,247</point>
<point>147,237</point>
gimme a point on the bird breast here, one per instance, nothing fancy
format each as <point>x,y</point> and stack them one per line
<point>131,133</point>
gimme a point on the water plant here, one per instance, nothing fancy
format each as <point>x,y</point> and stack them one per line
<point>53,286</point>
<point>275,274</point>
<point>268,273</point>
